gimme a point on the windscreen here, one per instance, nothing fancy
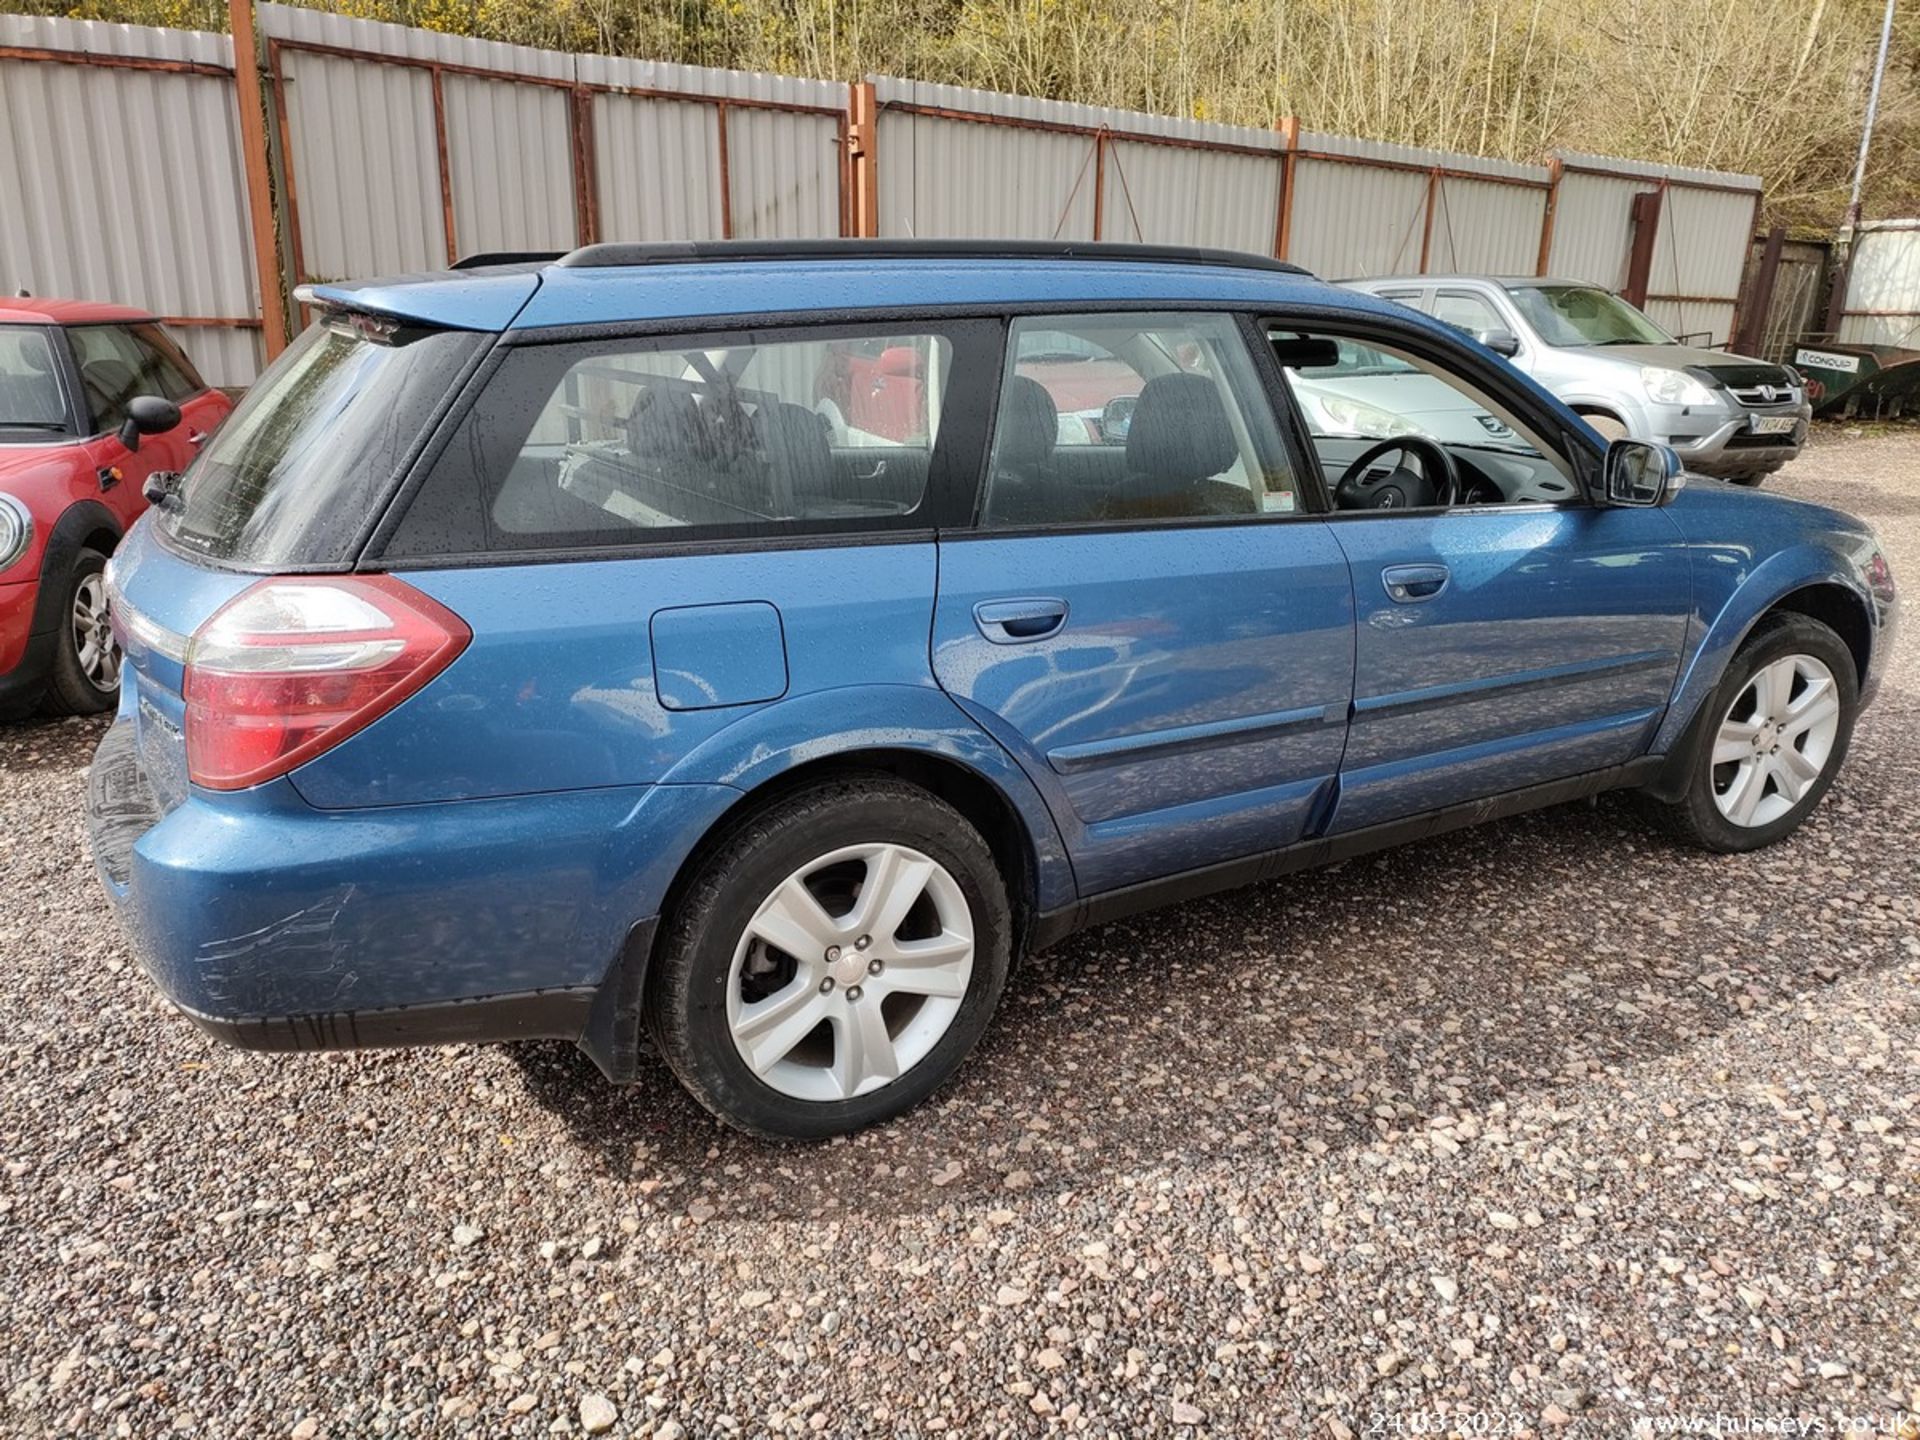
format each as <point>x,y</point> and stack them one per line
<point>30,401</point>
<point>295,474</point>
<point>1585,315</point>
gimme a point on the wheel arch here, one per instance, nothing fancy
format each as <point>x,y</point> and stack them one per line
<point>1827,598</point>
<point>943,754</point>
<point>984,805</point>
<point>83,525</point>
<point>1837,607</point>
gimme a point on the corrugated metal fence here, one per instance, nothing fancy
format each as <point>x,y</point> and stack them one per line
<point>397,150</point>
<point>120,179</point>
<point>1883,286</point>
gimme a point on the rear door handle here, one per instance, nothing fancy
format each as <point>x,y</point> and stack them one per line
<point>1011,622</point>
<point>1410,584</point>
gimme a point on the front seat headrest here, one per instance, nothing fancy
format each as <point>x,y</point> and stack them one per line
<point>1029,425</point>
<point>1180,430</point>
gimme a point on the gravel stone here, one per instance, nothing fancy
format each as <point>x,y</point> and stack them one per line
<point>1638,1053</point>
<point>597,1414</point>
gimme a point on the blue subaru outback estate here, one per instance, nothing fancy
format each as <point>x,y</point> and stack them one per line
<point>756,648</point>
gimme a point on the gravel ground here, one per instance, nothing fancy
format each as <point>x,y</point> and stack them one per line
<point>1549,1127</point>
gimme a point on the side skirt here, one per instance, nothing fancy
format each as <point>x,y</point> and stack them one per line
<point>1055,925</point>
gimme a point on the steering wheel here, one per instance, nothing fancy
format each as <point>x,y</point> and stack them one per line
<point>1400,488</point>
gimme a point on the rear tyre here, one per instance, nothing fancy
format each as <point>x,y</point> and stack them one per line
<point>1777,731</point>
<point>833,961</point>
<point>85,676</point>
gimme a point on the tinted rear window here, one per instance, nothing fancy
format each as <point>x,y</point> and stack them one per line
<point>721,436</point>
<point>296,473</point>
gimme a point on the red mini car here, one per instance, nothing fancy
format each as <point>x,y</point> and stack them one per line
<point>95,401</point>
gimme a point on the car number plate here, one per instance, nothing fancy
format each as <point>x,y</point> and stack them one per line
<point>1773,424</point>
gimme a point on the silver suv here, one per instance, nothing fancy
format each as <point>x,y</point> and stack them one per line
<point>1726,415</point>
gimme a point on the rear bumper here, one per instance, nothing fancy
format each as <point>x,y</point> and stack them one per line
<point>274,926</point>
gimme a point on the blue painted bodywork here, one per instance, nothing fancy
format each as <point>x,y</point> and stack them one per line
<point>1142,702</point>
<point>706,657</point>
<point>1551,650</point>
<point>1192,706</point>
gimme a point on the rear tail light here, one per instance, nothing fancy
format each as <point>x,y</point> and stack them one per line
<point>293,666</point>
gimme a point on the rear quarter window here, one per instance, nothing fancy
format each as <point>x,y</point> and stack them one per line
<point>298,473</point>
<point>728,436</point>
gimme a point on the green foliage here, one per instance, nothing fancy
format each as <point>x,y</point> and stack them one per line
<point>1775,89</point>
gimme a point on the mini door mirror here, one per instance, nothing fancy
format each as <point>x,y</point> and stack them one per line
<point>1116,418</point>
<point>147,415</point>
<point>1500,342</point>
<point>1639,473</point>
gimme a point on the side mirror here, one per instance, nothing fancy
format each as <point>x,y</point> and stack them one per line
<point>1500,342</point>
<point>1640,473</point>
<point>1116,418</point>
<point>147,415</point>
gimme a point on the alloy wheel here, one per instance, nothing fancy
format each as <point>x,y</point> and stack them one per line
<point>1776,740</point>
<point>850,972</point>
<point>94,642</point>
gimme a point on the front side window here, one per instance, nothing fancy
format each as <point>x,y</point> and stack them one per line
<point>1396,430</point>
<point>111,372</point>
<point>30,399</point>
<point>1466,311</point>
<point>1565,315</point>
<point>618,442</point>
<point>162,360</point>
<point>1107,418</point>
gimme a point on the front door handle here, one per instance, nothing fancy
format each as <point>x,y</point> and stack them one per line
<point>1410,584</point>
<point>1012,622</point>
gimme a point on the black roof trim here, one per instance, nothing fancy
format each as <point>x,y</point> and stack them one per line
<point>487,258</point>
<point>590,257</point>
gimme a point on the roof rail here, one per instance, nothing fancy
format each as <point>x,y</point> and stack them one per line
<point>702,252</point>
<point>507,257</point>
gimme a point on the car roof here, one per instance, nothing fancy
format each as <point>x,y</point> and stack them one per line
<point>40,310</point>
<point>603,284</point>
<point>1510,282</point>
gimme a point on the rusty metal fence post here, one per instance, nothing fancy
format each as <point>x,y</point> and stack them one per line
<point>1283,222</point>
<point>255,160</point>
<point>863,160</point>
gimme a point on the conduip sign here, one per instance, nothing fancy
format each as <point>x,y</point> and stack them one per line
<point>1827,360</point>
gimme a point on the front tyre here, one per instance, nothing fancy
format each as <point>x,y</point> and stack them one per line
<point>1778,730</point>
<point>85,676</point>
<point>833,961</point>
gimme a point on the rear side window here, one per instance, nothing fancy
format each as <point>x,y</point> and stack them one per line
<point>677,439</point>
<point>1126,418</point>
<point>296,473</point>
